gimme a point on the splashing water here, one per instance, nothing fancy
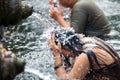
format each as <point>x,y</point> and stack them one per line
<point>40,75</point>
<point>28,39</point>
<point>109,7</point>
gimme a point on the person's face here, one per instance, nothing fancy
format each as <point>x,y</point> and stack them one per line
<point>67,52</point>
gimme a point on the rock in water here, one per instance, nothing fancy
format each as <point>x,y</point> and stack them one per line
<point>12,11</point>
<point>10,64</point>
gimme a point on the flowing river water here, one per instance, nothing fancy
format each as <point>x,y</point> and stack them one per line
<point>28,39</point>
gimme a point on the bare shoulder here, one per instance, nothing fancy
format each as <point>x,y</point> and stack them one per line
<point>87,39</point>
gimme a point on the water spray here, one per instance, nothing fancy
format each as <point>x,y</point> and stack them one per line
<point>54,2</point>
<point>37,73</point>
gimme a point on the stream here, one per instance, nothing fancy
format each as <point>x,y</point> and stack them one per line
<point>28,39</point>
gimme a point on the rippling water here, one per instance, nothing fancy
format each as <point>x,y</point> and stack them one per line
<point>28,39</point>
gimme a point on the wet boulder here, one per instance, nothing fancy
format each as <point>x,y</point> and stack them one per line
<point>12,11</point>
<point>10,65</point>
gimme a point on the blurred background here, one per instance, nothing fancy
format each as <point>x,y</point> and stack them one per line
<point>28,39</point>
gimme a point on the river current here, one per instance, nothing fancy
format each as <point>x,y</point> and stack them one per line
<point>28,39</point>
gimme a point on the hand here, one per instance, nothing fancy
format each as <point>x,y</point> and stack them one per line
<point>50,1</point>
<point>55,12</point>
<point>54,47</point>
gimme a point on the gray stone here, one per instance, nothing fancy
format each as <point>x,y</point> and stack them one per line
<point>12,11</point>
<point>10,65</point>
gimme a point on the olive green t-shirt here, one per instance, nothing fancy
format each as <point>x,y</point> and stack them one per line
<point>89,19</point>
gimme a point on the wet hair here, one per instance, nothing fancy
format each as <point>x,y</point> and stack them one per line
<point>67,37</point>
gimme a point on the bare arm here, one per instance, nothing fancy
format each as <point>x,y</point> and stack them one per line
<point>57,15</point>
<point>80,67</point>
<point>79,70</point>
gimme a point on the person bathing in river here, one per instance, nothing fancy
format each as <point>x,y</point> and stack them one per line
<point>86,17</point>
<point>83,58</point>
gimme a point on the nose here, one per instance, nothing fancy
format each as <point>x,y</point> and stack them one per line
<point>20,64</point>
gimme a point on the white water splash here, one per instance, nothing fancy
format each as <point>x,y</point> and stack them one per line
<point>40,75</point>
<point>110,8</point>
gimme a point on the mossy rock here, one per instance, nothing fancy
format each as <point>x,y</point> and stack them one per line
<point>12,11</point>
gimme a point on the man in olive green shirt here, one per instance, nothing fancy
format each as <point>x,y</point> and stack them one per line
<point>86,17</point>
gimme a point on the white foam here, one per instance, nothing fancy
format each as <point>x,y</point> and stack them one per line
<point>38,73</point>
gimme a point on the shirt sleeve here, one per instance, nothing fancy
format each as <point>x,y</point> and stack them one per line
<point>78,18</point>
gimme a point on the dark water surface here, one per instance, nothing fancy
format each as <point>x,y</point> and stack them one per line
<point>28,39</point>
